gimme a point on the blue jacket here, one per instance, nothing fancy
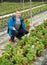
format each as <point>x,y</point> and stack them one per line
<point>12,23</point>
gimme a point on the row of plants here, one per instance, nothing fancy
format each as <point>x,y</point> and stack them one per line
<point>9,7</point>
<point>34,11</point>
<point>4,21</point>
<point>27,49</point>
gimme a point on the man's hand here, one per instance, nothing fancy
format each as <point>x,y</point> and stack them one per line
<point>14,28</point>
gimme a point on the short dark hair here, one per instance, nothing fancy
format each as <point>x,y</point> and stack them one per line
<point>17,10</point>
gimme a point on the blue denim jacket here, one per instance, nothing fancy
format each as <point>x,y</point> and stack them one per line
<point>12,23</point>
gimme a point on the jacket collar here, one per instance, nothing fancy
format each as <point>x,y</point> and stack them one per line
<point>21,19</point>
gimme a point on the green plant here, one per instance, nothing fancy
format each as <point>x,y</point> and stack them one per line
<point>39,34</point>
<point>26,49</point>
<point>39,48</point>
<point>27,22</point>
<point>32,40</point>
<point>45,23</point>
<point>20,42</point>
<point>31,54</point>
<point>25,61</point>
<point>5,62</point>
<point>25,39</point>
<point>33,32</point>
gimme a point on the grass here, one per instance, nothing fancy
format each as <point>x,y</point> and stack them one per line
<point>9,7</point>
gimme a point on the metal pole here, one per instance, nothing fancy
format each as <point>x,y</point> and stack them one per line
<point>1,1</point>
<point>20,1</point>
<point>31,11</point>
<point>23,4</point>
<point>31,25</point>
<point>42,1</point>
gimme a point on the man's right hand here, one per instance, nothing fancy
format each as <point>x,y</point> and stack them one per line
<point>14,29</point>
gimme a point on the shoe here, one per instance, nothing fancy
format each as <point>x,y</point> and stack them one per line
<point>15,44</point>
<point>0,55</point>
<point>19,38</point>
<point>9,40</point>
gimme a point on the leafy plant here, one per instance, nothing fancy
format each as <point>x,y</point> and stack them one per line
<point>31,54</point>
<point>32,40</point>
<point>27,22</point>
<point>39,48</point>
<point>26,49</point>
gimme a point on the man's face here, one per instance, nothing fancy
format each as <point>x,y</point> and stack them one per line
<point>18,14</point>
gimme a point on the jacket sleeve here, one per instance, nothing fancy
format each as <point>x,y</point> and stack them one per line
<point>23,25</point>
<point>10,24</point>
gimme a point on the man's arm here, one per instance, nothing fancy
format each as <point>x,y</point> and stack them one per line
<point>10,24</point>
<point>24,27</point>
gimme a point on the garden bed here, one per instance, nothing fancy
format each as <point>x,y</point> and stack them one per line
<point>27,49</point>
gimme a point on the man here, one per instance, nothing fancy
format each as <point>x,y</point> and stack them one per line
<point>16,27</point>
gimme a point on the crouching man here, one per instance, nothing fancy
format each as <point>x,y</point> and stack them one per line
<point>16,27</point>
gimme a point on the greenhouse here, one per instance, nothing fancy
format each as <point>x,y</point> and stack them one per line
<point>23,32</point>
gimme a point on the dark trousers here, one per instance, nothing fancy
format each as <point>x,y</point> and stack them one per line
<point>18,34</point>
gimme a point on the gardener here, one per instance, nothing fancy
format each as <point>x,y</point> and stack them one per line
<point>16,27</point>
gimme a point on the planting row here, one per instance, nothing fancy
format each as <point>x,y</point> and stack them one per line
<point>27,49</point>
<point>7,7</point>
<point>34,11</point>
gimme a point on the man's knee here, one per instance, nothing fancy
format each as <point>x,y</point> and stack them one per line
<point>26,32</point>
<point>14,33</point>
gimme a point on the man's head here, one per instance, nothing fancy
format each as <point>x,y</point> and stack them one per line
<point>18,13</point>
